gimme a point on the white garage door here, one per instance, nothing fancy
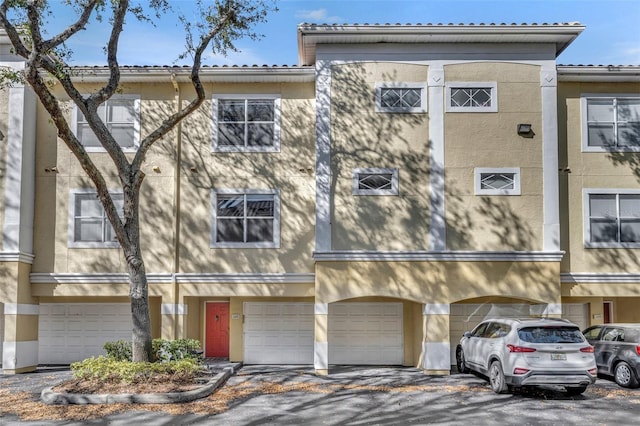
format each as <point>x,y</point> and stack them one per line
<point>278,333</point>
<point>70,332</point>
<point>464,317</point>
<point>366,333</point>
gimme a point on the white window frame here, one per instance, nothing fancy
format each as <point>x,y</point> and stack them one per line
<point>276,124</point>
<point>449,86</point>
<point>401,85</point>
<point>479,171</point>
<point>136,124</point>
<point>72,222</point>
<point>245,191</point>
<point>584,98</point>
<point>394,181</point>
<point>586,193</point>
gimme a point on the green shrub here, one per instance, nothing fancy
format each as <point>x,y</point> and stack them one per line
<point>108,369</point>
<point>119,350</point>
<point>162,350</point>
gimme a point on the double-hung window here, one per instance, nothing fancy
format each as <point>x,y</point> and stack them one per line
<point>610,122</point>
<point>242,123</point>
<point>120,114</point>
<point>246,218</point>
<point>612,218</point>
<point>401,97</point>
<point>88,223</point>
<point>471,96</point>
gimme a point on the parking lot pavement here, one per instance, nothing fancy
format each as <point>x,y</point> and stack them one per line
<point>293,395</point>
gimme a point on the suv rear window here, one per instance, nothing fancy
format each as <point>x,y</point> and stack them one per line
<point>551,335</point>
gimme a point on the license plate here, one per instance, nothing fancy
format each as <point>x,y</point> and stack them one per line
<point>559,357</point>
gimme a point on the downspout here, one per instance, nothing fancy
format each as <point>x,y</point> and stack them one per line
<point>178,328</point>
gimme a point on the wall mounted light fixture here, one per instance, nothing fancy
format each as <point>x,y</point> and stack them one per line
<point>525,130</point>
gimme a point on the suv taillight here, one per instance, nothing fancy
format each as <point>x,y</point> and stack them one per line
<point>638,349</point>
<point>588,349</point>
<point>513,348</point>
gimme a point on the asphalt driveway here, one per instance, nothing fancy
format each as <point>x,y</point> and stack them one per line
<point>294,395</point>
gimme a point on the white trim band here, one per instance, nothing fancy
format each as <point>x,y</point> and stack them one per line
<point>594,277</point>
<point>15,256</point>
<point>19,354</point>
<point>21,309</point>
<point>436,309</point>
<point>321,355</point>
<point>321,308</point>
<point>447,256</point>
<point>174,309</point>
<point>436,355</point>
<point>167,278</point>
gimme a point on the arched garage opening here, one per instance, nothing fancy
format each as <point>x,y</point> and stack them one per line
<point>373,331</point>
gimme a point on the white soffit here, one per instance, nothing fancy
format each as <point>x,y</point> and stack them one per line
<point>598,73</point>
<point>310,35</point>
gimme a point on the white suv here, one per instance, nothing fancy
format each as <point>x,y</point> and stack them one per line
<point>528,352</point>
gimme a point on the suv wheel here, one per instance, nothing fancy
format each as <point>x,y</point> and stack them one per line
<point>624,376</point>
<point>460,362</point>
<point>496,378</point>
<point>576,390</point>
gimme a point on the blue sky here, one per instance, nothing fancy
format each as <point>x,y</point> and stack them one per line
<point>612,35</point>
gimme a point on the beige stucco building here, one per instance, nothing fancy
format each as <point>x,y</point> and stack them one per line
<point>367,206</point>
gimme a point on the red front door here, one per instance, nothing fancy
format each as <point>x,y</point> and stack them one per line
<point>217,330</point>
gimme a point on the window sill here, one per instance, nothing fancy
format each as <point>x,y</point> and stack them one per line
<point>80,245</point>
<point>245,245</point>
<point>611,245</point>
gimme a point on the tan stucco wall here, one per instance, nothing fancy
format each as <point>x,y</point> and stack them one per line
<point>625,309</point>
<point>590,170</point>
<point>363,138</point>
<point>53,189</point>
<point>438,282</point>
<point>480,222</point>
<point>291,171</point>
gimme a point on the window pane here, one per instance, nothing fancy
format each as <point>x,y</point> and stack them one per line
<point>630,230</point>
<point>230,230</point>
<point>604,230</point>
<point>231,135</point>
<point>481,97</point>
<point>86,136</point>
<point>230,205</point>
<point>231,110</point>
<point>389,98</point>
<point>411,97</point>
<point>88,230</point>
<point>260,135</point>
<point>630,205</point>
<point>628,110</point>
<point>602,205</point>
<point>459,97</point>
<point>123,134</point>
<point>120,111</point>
<point>259,205</point>
<point>87,205</point>
<point>259,230</point>
<point>601,135</point>
<point>629,134</point>
<point>600,110</point>
<point>497,181</point>
<point>375,181</point>
<point>260,110</point>
<point>110,234</point>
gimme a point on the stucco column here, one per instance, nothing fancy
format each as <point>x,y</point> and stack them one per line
<point>436,347</point>
<point>20,310</point>
<point>321,339</point>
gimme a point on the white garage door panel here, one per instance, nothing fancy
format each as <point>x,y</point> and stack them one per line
<point>365,333</point>
<point>70,332</point>
<point>278,333</point>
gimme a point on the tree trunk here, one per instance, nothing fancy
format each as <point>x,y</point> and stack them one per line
<point>139,296</point>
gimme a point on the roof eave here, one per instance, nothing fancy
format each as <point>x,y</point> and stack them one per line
<point>599,73</point>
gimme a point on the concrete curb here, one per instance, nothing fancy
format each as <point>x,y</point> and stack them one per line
<point>48,396</point>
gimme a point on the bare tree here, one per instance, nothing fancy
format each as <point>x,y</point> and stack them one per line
<point>222,22</point>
